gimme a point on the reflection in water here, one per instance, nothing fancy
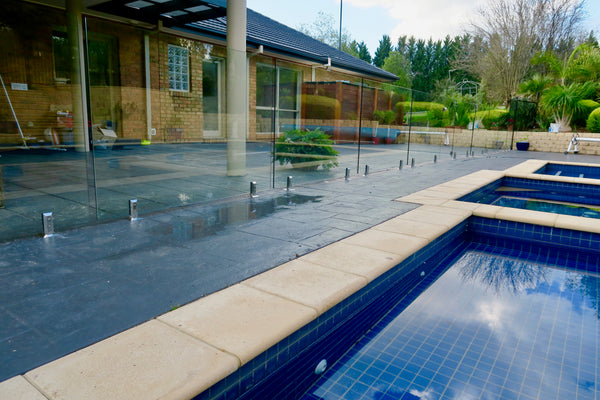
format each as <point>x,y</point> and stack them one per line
<point>215,219</point>
<point>499,273</point>
<point>491,327</point>
<point>588,286</point>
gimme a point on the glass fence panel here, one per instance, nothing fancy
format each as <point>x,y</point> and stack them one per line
<point>317,124</point>
<point>430,120</point>
<point>42,146</point>
<point>168,133</point>
<point>383,133</point>
<point>166,124</point>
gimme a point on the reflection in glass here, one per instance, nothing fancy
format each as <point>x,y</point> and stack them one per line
<point>211,97</point>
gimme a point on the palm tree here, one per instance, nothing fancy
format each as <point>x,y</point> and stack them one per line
<point>535,86</point>
<point>582,65</point>
<point>576,76</point>
<point>563,101</point>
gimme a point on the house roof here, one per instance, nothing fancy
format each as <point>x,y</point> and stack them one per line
<point>282,39</point>
<point>208,18</point>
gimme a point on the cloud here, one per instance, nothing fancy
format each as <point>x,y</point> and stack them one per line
<point>425,18</point>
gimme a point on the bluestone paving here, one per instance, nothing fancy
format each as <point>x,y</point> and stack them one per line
<point>71,290</point>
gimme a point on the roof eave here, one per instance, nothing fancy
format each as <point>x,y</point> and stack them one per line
<point>286,51</point>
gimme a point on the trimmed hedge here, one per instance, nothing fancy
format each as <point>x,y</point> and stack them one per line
<point>493,118</point>
<point>585,109</point>
<point>436,113</point>
<point>319,107</point>
<point>421,106</point>
<point>593,121</point>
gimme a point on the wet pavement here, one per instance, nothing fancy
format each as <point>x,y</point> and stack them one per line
<point>65,292</point>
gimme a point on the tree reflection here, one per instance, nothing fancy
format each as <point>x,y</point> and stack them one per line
<point>588,286</point>
<point>500,273</point>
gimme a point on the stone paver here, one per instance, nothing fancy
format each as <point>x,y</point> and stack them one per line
<point>87,284</point>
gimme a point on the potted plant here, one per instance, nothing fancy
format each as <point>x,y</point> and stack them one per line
<point>523,144</point>
<point>306,149</point>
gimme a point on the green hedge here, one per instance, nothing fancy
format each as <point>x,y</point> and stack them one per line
<point>421,106</point>
<point>420,119</point>
<point>436,114</point>
<point>585,109</point>
<point>319,107</point>
<point>493,118</point>
<point>593,121</point>
<point>384,117</point>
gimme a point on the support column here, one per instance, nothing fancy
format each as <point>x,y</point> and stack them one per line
<point>237,109</point>
<point>79,106</point>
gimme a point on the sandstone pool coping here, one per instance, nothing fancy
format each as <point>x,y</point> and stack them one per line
<point>183,352</point>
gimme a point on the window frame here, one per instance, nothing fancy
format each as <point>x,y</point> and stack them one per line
<point>276,107</point>
<point>180,77</point>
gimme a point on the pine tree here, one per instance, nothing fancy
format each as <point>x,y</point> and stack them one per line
<point>383,51</point>
<point>363,52</point>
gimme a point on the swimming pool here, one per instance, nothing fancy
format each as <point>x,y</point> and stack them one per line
<point>541,195</point>
<point>572,170</point>
<point>432,366</point>
<point>499,323</point>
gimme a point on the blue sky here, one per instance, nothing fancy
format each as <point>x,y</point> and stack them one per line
<point>369,20</point>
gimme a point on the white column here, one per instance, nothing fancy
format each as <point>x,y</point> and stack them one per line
<point>237,111</point>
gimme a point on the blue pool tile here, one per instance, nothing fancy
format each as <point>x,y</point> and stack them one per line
<point>509,394</point>
<point>460,376</point>
<point>407,375</point>
<point>450,358</point>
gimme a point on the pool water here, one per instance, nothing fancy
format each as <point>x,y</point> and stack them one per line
<point>497,323</point>
<point>576,171</point>
<point>548,206</point>
<point>549,196</point>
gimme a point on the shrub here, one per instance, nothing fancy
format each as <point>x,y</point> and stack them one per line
<point>505,120</point>
<point>434,113</point>
<point>399,112</point>
<point>421,106</point>
<point>319,107</point>
<point>384,117</point>
<point>491,118</point>
<point>438,117</point>
<point>593,121</point>
<point>417,119</point>
<point>461,113</point>
<point>306,149</point>
<point>583,112</point>
<point>525,114</point>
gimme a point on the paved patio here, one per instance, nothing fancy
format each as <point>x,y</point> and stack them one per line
<point>160,176</point>
<point>68,291</point>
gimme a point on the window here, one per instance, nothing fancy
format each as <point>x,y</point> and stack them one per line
<point>179,75</point>
<point>277,93</point>
<point>62,57</point>
<point>212,98</point>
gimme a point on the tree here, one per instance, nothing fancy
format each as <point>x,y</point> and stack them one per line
<point>420,67</point>
<point>399,66</point>
<point>363,52</point>
<point>324,30</point>
<point>512,31</point>
<point>582,65</point>
<point>564,101</point>
<point>383,51</point>
<point>536,85</point>
<point>353,48</point>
